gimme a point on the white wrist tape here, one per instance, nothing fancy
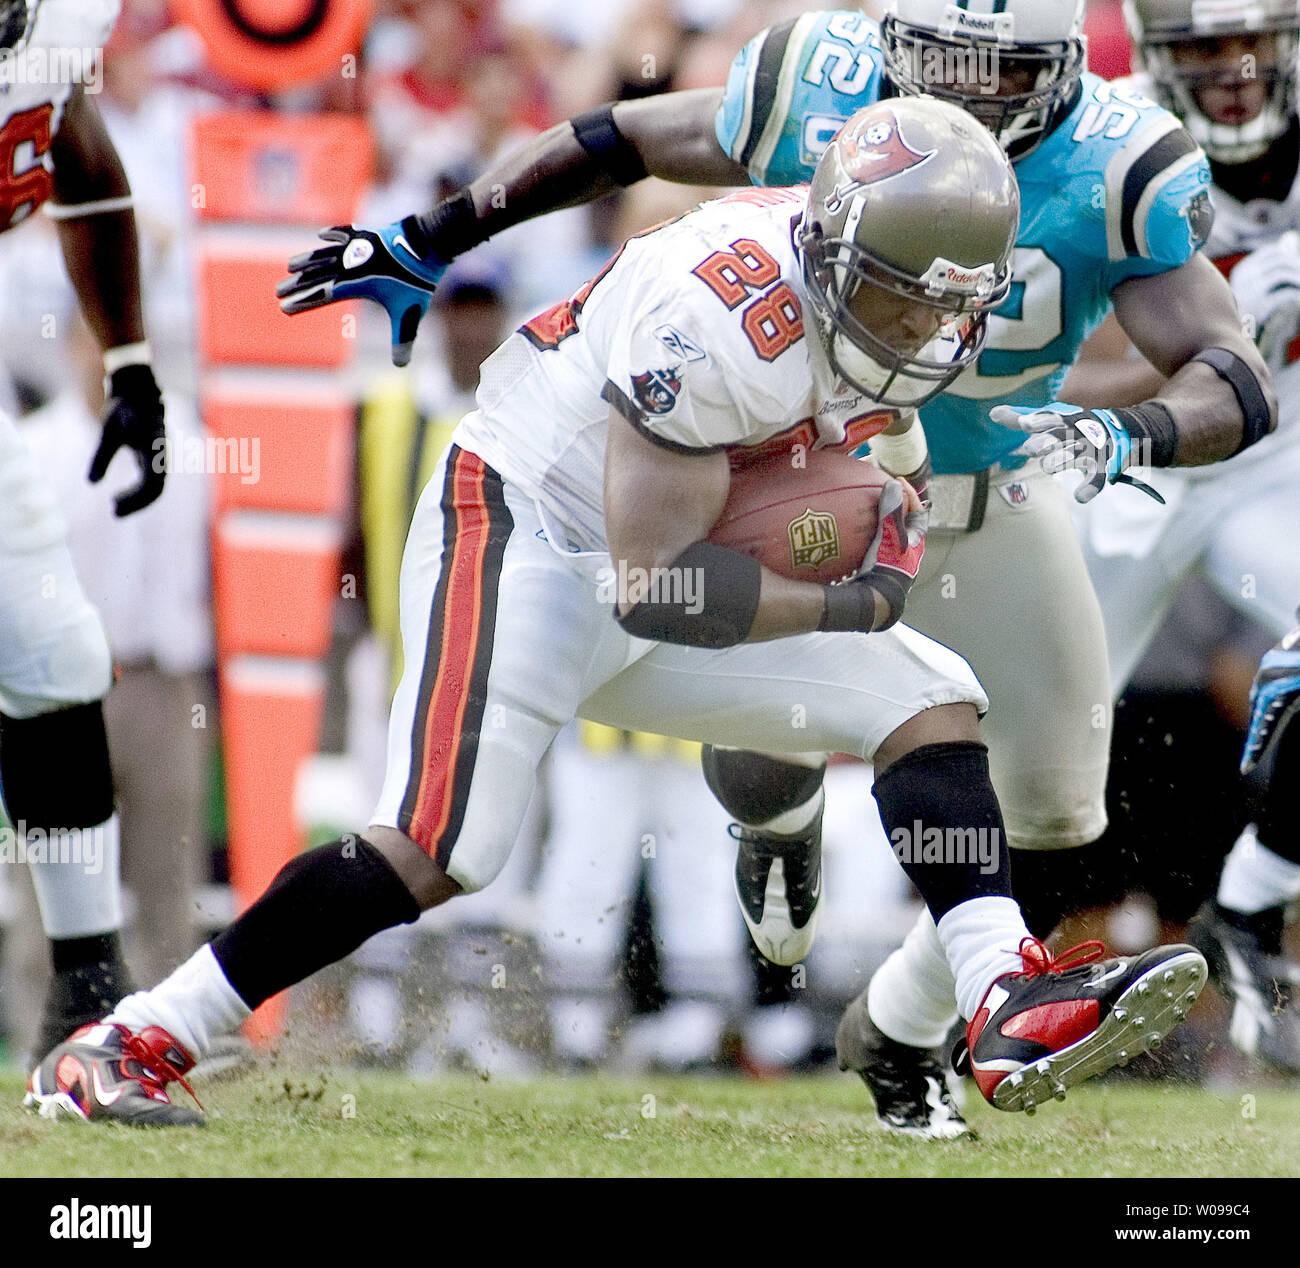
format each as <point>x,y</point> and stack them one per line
<point>126,354</point>
<point>902,453</point>
<point>101,207</point>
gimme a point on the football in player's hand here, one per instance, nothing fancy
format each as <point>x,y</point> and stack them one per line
<point>809,515</point>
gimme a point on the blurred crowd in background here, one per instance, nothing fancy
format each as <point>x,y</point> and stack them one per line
<point>613,939</point>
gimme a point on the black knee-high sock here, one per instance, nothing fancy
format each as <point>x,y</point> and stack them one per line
<point>944,823</point>
<point>320,907</point>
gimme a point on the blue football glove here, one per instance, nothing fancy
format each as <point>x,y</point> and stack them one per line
<point>1067,438</point>
<point>375,264</point>
<point>1274,700</point>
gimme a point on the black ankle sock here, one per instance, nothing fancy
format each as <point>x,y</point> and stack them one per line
<point>68,954</point>
<point>320,907</point>
<point>1266,925</point>
<point>89,978</point>
<point>944,824</point>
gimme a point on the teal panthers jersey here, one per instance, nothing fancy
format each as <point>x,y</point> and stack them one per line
<point>1116,191</point>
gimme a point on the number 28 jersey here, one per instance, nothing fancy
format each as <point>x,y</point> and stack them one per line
<point>695,334</point>
<point>1117,190</point>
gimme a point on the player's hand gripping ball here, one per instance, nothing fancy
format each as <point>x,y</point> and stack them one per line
<point>814,515</point>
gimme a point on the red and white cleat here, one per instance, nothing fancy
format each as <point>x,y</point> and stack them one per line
<point>1064,1019</point>
<point>106,1073</point>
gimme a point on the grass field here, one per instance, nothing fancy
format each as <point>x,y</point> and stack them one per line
<point>272,1123</point>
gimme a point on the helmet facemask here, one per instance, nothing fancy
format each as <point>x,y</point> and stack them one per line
<point>840,277</point>
<point>16,18</point>
<point>965,71</point>
<point>1179,89</point>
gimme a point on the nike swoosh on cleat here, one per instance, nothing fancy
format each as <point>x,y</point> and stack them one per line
<point>102,1095</point>
<point>1117,971</point>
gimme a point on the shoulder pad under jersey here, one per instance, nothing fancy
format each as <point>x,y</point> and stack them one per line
<point>792,86</point>
<point>1140,181</point>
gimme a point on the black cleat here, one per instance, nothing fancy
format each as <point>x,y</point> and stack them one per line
<point>1063,1019</point>
<point>1247,968</point>
<point>779,888</point>
<point>907,1084</point>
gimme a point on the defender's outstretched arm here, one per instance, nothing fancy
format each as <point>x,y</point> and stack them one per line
<point>575,162</point>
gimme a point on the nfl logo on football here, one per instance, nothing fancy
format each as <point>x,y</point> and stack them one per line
<point>814,538</point>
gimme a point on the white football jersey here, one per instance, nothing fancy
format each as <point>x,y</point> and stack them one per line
<point>695,332</point>
<point>1239,228</point>
<point>63,43</point>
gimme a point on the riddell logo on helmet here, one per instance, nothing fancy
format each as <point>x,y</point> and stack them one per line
<point>1208,12</point>
<point>943,276</point>
<point>974,22</point>
<point>962,22</point>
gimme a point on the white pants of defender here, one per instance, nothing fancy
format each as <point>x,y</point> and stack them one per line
<point>1014,599</point>
<point>53,648</point>
<point>557,653</point>
<point>1237,522</point>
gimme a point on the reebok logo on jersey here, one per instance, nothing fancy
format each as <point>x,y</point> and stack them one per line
<point>678,344</point>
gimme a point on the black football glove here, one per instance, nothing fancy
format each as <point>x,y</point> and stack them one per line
<point>1096,442</point>
<point>133,419</point>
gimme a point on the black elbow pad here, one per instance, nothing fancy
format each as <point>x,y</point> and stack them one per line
<point>1245,386</point>
<point>707,597</point>
<point>611,151</point>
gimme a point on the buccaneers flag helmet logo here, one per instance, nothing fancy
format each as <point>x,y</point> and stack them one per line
<point>872,150</point>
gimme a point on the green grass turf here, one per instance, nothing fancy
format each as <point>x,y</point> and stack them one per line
<point>273,1123</point>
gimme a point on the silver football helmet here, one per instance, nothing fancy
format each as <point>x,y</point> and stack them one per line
<point>970,53</point>
<point>906,244</point>
<point>1159,27</point>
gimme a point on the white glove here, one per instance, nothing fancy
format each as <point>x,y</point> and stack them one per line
<point>1267,286</point>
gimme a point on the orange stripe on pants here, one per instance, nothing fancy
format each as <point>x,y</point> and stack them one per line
<point>444,750</point>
